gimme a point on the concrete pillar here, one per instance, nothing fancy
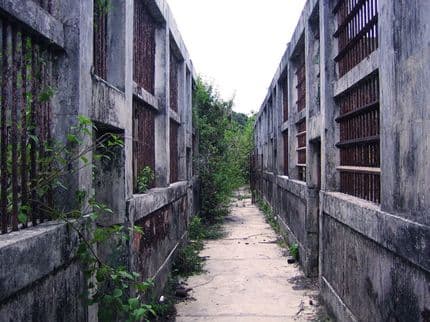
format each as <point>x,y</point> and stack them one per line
<point>404,108</point>
<point>73,86</point>
<point>120,16</point>
<point>182,132</point>
<point>126,11</point>
<point>162,121</point>
<point>329,132</point>
<point>312,154</point>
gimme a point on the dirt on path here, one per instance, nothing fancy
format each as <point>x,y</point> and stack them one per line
<point>247,276</point>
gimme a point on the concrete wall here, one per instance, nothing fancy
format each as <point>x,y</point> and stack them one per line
<point>372,259</point>
<point>40,278</point>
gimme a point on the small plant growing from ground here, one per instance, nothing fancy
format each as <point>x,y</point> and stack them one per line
<point>164,306</point>
<point>145,179</point>
<point>268,214</point>
<point>188,262</point>
<point>273,222</point>
<point>294,251</point>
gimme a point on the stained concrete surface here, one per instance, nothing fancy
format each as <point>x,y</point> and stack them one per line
<point>247,276</point>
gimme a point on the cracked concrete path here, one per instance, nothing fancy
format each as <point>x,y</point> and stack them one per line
<point>247,276</point>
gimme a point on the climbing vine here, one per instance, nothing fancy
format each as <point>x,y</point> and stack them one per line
<point>116,289</point>
<point>110,286</point>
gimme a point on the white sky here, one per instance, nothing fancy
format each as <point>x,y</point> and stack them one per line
<point>237,44</point>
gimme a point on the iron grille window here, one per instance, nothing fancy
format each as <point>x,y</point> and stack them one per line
<point>359,140</point>
<point>301,150</point>
<point>26,74</point>
<point>174,69</point>
<point>285,99</point>
<point>301,84</point>
<point>143,139</point>
<point>100,39</point>
<point>285,137</point>
<point>174,128</point>
<point>144,47</point>
<point>357,31</point>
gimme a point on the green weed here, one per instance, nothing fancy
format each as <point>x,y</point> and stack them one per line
<point>294,251</point>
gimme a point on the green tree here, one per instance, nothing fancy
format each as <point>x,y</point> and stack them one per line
<point>225,142</point>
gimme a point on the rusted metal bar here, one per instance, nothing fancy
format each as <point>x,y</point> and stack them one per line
<point>359,139</point>
<point>285,98</point>
<point>41,123</point>
<point>25,120</point>
<point>144,47</point>
<point>174,69</point>
<point>301,85</point>
<point>357,32</point>
<point>352,42</point>
<point>47,124</point>
<point>33,145</point>
<point>14,129</point>
<point>100,40</point>
<point>349,17</point>
<point>4,137</point>
<point>359,169</point>
<point>24,106</point>
<point>174,127</point>
<point>143,139</point>
<point>285,137</point>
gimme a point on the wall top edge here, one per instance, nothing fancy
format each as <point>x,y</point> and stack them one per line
<point>291,46</point>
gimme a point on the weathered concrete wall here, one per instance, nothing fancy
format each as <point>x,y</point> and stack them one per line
<point>40,277</point>
<point>372,258</point>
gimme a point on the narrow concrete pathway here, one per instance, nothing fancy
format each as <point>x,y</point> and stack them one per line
<point>247,276</point>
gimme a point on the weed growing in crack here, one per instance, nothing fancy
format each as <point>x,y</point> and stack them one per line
<point>268,214</point>
<point>272,220</point>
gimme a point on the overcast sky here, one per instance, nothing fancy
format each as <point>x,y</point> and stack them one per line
<point>237,44</point>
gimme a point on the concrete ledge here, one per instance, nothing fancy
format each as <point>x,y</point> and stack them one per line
<point>299,116</point>
<point>364,68</point>
<point>405,238</point>
<point>174,116</point>
<point>145,96</point>
<point>56,297</point>
<point>269,176</point>
<point>334,303</point>
<point>108,104</point>
<point>32,15</point>
<point>285,126</point>
<point>141,206</point>
<point>33,253</point>
<point>296,187</point>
